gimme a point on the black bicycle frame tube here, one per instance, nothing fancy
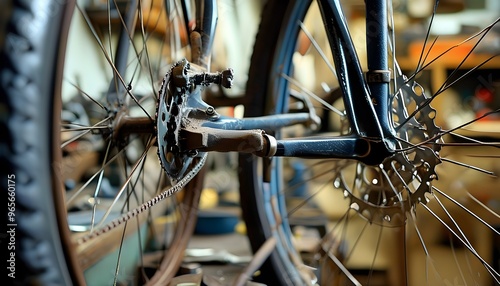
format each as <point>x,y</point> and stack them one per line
<point>369,118</point>
<point>357,97</point>
<point>344,147</point>
<point>367,105</point>
<point>378,75</point>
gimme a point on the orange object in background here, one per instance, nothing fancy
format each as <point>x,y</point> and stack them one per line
<point>445,49</point>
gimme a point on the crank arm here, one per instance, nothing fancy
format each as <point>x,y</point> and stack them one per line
<point>204,139</point>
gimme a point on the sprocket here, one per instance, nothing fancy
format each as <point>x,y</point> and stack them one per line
<point>179,101</point>
<point>169,113</point>
<point>384,193</point>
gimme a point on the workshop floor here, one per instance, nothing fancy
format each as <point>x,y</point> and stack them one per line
<point>223,272</point>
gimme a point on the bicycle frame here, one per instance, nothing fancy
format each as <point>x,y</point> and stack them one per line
<point>366,99</point>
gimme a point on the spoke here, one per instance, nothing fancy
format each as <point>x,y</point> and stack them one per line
<point>446,86</point>
<point>341,266</point>
<point>110,61</point>
<point>147,205</point>
<point>97,38</point>
<point>138,54</point>
<point>306,200</point>
<point>456,261</point>
<point>454,222</point>
<point>428,52</point>
<point>407,188</point>
<point>427,34</point>
<point>76,125</point>
<point>158,68</point>
<point>126,183</point>
<point>76,137</point>
<point>175,39</point>
<point>98,187</point>
<point>475,140</point>
<point>326,237</point>
<point>311,94</point>
<point>484,207</point>
<point>124,26</point>
<point>90,128</point>
<point>432,141</point>
<point>394,190</point>
<point>478,34</point>
<point>358,239</point>
<point>144,42</point>
<point>478,144</point>
<point>469,267</point>
<point>82,188</point>
<point>317,47</point>
<point>472,121</point>
<point>108,7</point>
<point>422,243</point>
<point>468,166</point>
<point>495,274</point>
<point>420,237</point>
<point>82,92</point>
<point>429,100</point>
<point>258,259</point>
<point>481,37</point>
<point>303,182</point>
<point>402,230</point>
<point>118,260</point>
<point>469,211</point>
<point>131,190</point>
<point>377,247</point>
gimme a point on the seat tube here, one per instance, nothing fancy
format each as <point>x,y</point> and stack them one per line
<point>378,75</point>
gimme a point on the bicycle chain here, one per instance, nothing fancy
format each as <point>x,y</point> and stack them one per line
<point>145,206</point>
<point>172,107</point>
<point>384,193</point>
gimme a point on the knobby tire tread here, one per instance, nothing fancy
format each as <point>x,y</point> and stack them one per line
<point>29,59</point>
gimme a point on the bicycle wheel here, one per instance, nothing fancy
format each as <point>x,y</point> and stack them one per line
<point>389,224</point>
<point>80,184</point>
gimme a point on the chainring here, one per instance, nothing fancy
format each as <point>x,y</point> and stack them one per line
<point>170,109</point>
<point>179,103</point>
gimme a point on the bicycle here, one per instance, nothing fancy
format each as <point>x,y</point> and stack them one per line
<point>386,142</point>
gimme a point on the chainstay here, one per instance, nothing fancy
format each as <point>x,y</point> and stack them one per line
<point>145,206</point>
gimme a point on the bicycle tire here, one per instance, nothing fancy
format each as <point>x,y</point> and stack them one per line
<point>275,270</point>
<point>265,208</point>
<point>33,57</point>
